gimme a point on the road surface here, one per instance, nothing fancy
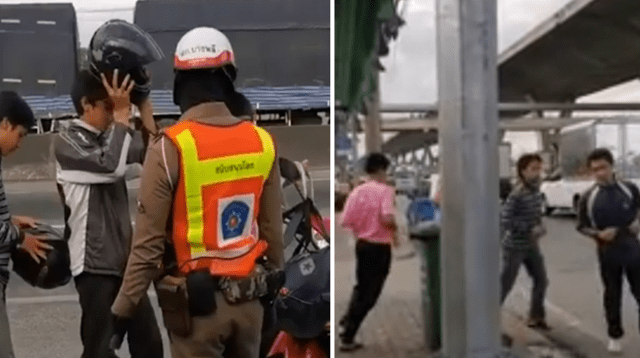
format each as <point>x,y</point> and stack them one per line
<point>46,323</point>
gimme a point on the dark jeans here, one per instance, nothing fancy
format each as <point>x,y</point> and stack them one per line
<point>372,269</point>
<point>97,293</point>
<point>534,264</point>
<point>612,267</point>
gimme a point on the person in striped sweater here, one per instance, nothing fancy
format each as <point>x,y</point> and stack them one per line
<point>522,228</point>
<point>15,119</point>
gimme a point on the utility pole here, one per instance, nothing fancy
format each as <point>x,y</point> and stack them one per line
<point>468,130</point>
<point>373,137</point>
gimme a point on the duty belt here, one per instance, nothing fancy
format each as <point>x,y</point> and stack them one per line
<point>259,284</point>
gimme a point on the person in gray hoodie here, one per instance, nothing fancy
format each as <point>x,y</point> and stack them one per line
<point>91,159</point>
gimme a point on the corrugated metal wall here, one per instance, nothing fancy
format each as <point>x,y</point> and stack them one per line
<point>38,47</point>
<point>277,43</point>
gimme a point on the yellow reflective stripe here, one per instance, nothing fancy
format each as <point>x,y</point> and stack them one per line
<point>227,254</point>
<point>268,148</point>
<point>192,188</point>
<point>198,173</point>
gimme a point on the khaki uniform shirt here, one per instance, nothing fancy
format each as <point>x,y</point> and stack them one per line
<point>159,180</point>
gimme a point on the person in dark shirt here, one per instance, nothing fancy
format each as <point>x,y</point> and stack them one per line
<point>16,118</point>
<point>608,213</point>
<point>522,227</point>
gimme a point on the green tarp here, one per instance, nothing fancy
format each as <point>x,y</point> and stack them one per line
<point>357,25</point>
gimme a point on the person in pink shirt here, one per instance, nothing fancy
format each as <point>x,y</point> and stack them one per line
<point>370,213</point>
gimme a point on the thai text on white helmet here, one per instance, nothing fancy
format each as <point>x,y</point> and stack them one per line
<point>202,48</point>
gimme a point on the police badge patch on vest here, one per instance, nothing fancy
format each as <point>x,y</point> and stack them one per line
<point>234,218</point>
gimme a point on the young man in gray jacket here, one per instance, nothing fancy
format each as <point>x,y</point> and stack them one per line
<point>91,158</point>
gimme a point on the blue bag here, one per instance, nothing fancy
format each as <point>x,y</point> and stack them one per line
<point>424,218</point>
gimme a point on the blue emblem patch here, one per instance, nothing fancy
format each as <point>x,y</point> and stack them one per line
<point>234,219</point>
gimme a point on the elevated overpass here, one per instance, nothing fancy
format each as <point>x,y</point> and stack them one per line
<point>585,47</point>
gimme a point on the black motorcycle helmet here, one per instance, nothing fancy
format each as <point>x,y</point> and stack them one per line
<point>120,45</point>
<point>303,306</point>
<point>53,272</point>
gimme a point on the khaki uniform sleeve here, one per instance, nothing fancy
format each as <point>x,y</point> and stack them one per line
<point>270,217</point>
<point>155,203</point>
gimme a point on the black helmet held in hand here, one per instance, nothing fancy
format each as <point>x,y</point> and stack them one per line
<point>120,45</point>
<point>53,272</point>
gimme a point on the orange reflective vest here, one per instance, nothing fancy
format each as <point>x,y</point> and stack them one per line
<point>215,210</point>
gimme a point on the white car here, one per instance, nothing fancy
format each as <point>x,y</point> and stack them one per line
<point>565,193</point>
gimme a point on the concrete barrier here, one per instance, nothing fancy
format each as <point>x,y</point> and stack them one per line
<point>35,159</point>
<point>304,142</point>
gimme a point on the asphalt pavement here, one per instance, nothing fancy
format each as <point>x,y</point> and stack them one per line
<point>46,323</point>
<point>575,294</point>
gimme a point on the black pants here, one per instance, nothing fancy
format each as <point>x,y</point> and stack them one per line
<point>533,261</point>
<point>372,269</point>
<point>612,269</point>
<point>97,293</point>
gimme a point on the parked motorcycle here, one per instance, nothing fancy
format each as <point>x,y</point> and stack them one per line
<point>297,325</point>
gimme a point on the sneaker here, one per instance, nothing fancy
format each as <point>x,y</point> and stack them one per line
<point>342,327</point>
<point>539,323</point>
<point>615,345</point>
<point>350,346</point>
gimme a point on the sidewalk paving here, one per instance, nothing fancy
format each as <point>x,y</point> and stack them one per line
<point>394,327</point>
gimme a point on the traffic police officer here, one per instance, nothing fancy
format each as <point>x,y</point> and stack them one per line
<point>209,209</point>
